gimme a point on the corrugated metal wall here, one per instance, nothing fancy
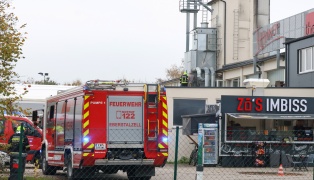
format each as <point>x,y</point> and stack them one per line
<point>276,75</point>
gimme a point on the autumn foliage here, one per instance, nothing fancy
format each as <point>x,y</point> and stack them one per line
<point>11,42</point>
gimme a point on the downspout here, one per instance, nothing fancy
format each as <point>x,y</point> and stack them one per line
<point>187,43</point>
<point>287,59</point>
<point>225,24</point>
<point>195,18</point>
<point>206,76</point>
<point>212,71</point>
<point>259,71</point>
<point>212,80</point>
<point>278,58</point>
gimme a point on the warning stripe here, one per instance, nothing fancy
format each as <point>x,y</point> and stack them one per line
<point>165,132</point>
<point>86,141</point>
<point>164,126</point>
<point>160,145</point>
<point>163,154</point>
<point>88,154</point>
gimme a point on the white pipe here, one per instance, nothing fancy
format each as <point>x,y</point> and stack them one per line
<point>199,73</point>
<point>212,76</point>
<point>206,76</point>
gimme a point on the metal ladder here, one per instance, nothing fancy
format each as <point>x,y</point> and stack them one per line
<point>236,35</point>
<point>152,103</point>
<point>204,12</point>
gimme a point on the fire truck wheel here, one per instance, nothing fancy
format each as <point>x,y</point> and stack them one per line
<point>70,171</point>
<point>39,160</point>
<point>46,169</point>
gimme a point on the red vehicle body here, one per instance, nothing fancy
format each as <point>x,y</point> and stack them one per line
<point>34,134</point>
<point>107,126</point>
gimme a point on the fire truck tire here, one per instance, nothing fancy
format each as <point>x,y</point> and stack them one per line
<point>70,171</point>
<point>39,160</point>
<point>46,169</point>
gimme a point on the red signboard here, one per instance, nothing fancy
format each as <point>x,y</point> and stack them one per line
<point>309,23</point>
<point>266,36</point>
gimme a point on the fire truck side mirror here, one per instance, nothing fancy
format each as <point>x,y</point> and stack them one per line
<point>35,116</point>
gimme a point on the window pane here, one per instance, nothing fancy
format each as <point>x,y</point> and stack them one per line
<point>1,128</point>
<point>78,123</point>
<point>308,58</point>
<point>312,58</point>
<point>235,83</point>
<point>60,124</point>
<point>69,121</point>
<point>302,60</point>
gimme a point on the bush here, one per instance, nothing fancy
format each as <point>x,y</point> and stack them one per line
<point>183,160</point>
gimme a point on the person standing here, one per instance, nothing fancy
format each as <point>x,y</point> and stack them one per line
<point>19,127</point>
<point>184,79</point>
<point>14,148</point>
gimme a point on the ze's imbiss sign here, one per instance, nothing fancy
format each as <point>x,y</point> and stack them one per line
<point>267,104</point>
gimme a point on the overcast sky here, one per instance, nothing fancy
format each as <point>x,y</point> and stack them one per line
<point>104,39</point>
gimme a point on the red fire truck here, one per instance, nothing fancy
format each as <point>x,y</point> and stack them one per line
<point>8,125</point>
<point>106,126</point>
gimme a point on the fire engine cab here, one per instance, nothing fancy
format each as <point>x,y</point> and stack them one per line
<point>106,126</point>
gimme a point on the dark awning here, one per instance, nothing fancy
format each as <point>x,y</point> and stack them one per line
<point>271,116</point>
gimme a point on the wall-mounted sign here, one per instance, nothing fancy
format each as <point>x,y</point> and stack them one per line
<point>271,37</point>
<point>309,23</point>
<point>267,104</point>
<point>267,36</point>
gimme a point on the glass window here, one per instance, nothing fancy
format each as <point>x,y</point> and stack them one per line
<point>302,64</point>
<point>59,128</point>
<point>306,60</point>
<point>69,120</point>
<point>1,127</point>
<point>220,83</point>
<point>235,83</point>
<point>28,128</point>
<point>254,129</point>
<point>50,116</point>
<point>78,123</point>
<point>312,56</point>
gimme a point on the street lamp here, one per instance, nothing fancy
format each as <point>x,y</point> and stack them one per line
<point>43,74</point>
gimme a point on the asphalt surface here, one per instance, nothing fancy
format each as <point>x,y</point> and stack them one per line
<point>188,172</point>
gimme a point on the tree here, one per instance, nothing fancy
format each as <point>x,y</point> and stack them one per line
<point>11,41</point>
<point>47,81</point>
<point>77,82</point>
<point>173,72</point>
<point>74,83</point>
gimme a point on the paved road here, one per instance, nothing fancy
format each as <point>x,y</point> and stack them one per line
<point>186,172</point>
